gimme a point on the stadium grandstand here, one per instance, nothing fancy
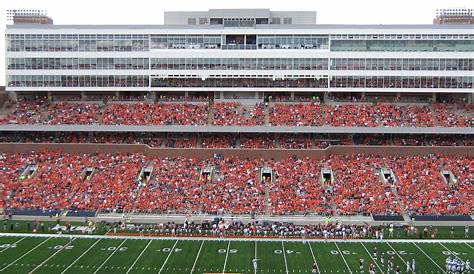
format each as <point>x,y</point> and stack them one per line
<point>229,88</point>
<point>245,115</point>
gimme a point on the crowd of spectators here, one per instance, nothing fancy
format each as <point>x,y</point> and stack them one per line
<point>369,115</point>
<point>296,143</point>
<point>236,114</point>
<point>26,112</point>
<point>358,188</point>
<point>186,142</point>
<point>257,141</point>
<point>222,228</point>
<point>297,115</point>
<point>423,190</point>
<point>296,187</point>
<point>381,115</point>
<point>449,116</point>
<point>59,181</point>
<point>64,113</point>
<point>175,186</point>
<point>155,114</point>
<point>219,141</point>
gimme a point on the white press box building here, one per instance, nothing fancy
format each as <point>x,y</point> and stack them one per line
<point>240,54</point>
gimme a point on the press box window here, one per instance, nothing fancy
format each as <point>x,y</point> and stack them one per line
<point>203,21</point>
<point>191,21</point>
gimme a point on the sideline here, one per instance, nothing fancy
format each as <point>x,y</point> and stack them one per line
<point>237,239</point>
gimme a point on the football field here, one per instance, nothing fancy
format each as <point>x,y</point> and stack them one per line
<point>99,254</point>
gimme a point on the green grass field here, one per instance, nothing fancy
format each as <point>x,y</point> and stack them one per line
<point>20,254</point>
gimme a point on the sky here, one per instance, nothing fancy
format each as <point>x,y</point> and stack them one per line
<point>151,11</point>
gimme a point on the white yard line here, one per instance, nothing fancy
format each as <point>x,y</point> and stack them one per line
<point>78,258</point>
<point>255,250</point>
<point>22,256</point>
<point>431,259</point>
<point>255,257</point>
<point>171,251</point>
<point>226,256</point>
<point>12,244</point>
<point>197,256</point>
<point>452,252</point>
<point>469,245</point>
<point>50,257</point>
<point>370,255</point>
<point>284,256</point>
<point>340,253</point>
<point>314,258</point>
<point>112,254</point>
<point>401,258</point>
<point>139,256</point>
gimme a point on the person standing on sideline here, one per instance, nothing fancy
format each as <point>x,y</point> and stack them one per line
<point>255,265</point>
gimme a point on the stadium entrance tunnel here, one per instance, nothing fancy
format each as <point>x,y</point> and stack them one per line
<point>449,178</point>
<point>145,174</point>
<point>266,174</point>
<point>388,176</point>
<point>327,176</point>
<point>87,173</point>
<point>29,171</point>
<point>207,173</point>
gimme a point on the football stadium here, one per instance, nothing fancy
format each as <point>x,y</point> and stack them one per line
<point>237,141</point>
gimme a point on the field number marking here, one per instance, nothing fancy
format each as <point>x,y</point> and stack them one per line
<point>168,249</point>
<point>8,246</point>
<point>287,251</point>
<point>448,253</point>
<point>65,247</point>
<point>113,248</point>
<point>223,250</point>
<point>345,252</point>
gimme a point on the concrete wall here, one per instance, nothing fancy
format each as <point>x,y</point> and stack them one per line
<point>201,153</point>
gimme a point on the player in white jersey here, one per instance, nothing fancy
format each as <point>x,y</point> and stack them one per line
<point>413,265</point>
<point>468,266</point>
<point>450,266</point>
<point>448,263</point>
<point>303,236</point>
<point>408,267</point>
<point>458,267</point>
<point>372,269</point>
<point>255,264</point>
<point>389,265</point>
